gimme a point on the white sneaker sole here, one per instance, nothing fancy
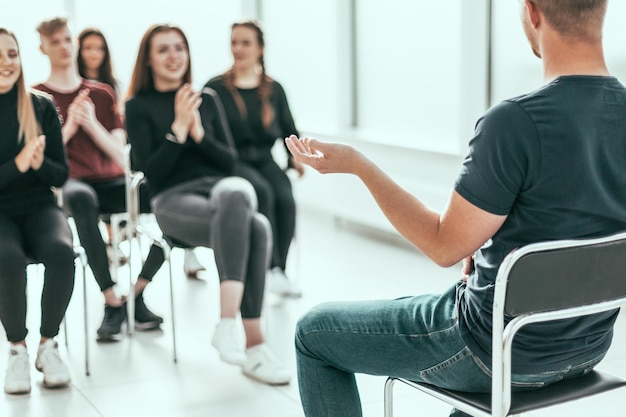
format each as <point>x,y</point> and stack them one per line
<point>25,389</point>
<point>56,384</point>
<point>274,383</point>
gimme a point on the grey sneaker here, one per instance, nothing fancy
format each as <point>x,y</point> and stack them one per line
<point>111,327</point>
<point>144,318</point>
<point>18,371</point>
<point>55,372</point>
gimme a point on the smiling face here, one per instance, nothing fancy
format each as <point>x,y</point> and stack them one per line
<point>244,45</point>
<point>92,52</point>
<point>10,64</point>
<point>169,60</point>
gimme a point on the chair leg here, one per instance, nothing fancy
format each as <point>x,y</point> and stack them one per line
<point>389,396</point>
<point>130,302</point>
<point>65,330</point>
<point>167,253</point>
<point>87,371</point>
<point>115,240</point>
<point>82,257</point>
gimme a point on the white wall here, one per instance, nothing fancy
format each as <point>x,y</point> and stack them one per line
<point>405,83</point>
<point>22,17</point>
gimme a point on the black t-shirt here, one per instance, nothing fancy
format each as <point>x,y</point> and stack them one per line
<point>553,162</point>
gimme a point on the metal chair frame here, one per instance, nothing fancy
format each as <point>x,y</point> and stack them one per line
<point>134,229</point>
<point>537,283</point>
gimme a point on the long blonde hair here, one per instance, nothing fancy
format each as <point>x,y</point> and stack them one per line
<point>29,126</point>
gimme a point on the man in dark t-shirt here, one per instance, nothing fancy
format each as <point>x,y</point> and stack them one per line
<point>544,166</point>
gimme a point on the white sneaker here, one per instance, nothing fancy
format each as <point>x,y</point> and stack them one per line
<point>55,372</point>
<point>191,265</point>
<point>263,366</point>
<point>278,283</point>
<point>18,371</point>
<point>229,342</point>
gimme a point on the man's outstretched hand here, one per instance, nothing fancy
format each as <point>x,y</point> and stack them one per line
<point>326,157</point>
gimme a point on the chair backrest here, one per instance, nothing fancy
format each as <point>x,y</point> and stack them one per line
<point>549,281</point>
<point>564,274</point>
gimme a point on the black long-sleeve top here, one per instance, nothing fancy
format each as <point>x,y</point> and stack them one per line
<point>253,141</point>
<point>22,192</point>
<point>149,117</point>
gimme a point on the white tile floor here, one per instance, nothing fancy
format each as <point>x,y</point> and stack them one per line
<point>137,377</point>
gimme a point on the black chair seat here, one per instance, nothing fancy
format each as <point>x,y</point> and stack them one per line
<point>595,382</point>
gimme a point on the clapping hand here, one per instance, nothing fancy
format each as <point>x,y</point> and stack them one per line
<point>187,118</point>
<point>31,155</point>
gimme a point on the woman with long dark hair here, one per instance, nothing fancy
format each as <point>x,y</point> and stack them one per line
<point>187,155</point>
<point>258,113</point>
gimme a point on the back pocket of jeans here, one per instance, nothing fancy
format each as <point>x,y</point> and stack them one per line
<point>459,372</point>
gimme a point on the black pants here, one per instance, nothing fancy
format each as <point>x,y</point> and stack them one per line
<point>275,196</point>
<point>85,202</point>
<point>41,235</point>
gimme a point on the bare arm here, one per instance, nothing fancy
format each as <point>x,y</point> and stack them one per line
<point>446,238</point>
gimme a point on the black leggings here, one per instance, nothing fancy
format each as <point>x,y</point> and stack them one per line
<point>85,201</point>
<point>275,196</point>
<point>42,235</point>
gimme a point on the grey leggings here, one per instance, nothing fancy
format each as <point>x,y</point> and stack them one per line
<point>220,213</point>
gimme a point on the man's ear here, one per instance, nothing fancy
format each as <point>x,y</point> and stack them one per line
<point>533,13</point>
<point>41,48</point>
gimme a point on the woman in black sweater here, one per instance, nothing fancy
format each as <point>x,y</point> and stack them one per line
<point>32,226</point>
<point>186,153</point>
<point>258,113</point>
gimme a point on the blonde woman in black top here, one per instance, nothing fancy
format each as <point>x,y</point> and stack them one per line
<point>32,226</point>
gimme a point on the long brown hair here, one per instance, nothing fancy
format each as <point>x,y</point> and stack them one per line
<point>265,87</point>
<point>28,125</point>
<point>142,79</point>
<point>105,70</point>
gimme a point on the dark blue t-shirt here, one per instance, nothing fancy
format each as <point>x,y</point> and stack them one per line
<point>553,162</point>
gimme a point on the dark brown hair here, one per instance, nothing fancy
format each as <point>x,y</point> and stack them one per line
<point>105,71</point>
<point>142,78</point>
<point>265,87</point>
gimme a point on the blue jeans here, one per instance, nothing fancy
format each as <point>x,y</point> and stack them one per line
<point>415,338</point>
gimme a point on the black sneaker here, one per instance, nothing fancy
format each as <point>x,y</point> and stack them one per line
<point>111,327</point>
<point>144,318</point>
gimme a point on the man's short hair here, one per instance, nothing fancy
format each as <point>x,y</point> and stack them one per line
<point>578,19</point>
<point>49,27</point>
